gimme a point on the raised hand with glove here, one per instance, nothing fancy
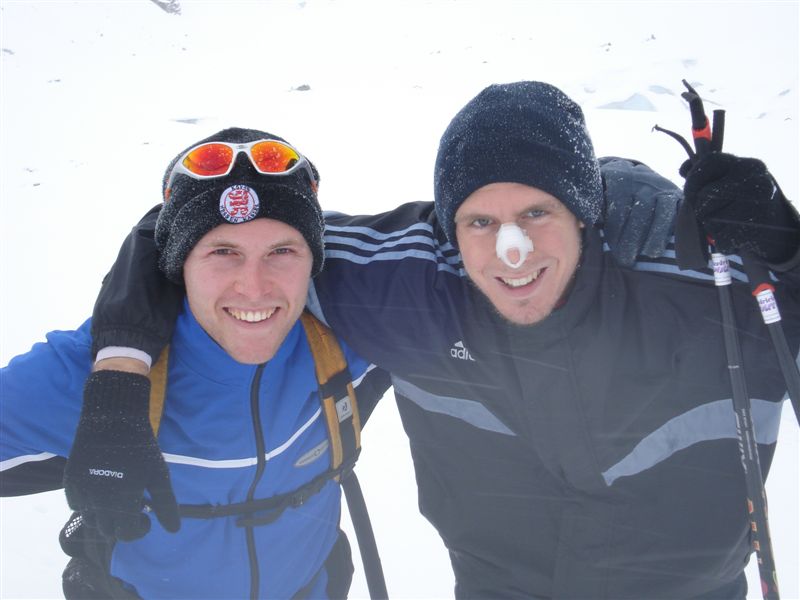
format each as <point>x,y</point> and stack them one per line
<point>640,209</point>
<point>115,459</point>
<point>741,207</point>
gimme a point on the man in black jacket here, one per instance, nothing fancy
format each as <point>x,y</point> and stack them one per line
<point>569,419</point>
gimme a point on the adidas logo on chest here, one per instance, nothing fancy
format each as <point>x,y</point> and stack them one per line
<point>459,351</point>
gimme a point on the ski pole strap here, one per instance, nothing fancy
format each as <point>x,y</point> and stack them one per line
<point>701,129</point>
<point>691,249</point>
<point>718,131</point>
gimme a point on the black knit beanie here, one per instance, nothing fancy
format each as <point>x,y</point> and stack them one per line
<point>196,206</point>
<point>526,132</point>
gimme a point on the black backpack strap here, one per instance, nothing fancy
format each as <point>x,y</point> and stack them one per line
<point>264,511</point>
<point>371,559</point>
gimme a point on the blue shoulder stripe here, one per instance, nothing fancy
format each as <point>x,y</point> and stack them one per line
<point>369,232</point>
<point>363,245</point>
<point>667,264</point>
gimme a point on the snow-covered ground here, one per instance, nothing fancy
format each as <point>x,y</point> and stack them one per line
<point>97,96</point>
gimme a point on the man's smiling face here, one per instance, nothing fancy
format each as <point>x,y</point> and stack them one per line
<point>527,294</point>
<point>247,285</point>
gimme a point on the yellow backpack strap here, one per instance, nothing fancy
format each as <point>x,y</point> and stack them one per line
<point>336,391</point>
<point>344,431</point>
<point>158,389</point>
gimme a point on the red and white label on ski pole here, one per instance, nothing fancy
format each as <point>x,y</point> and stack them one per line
<point>722,274</point>
<point>767,304</point>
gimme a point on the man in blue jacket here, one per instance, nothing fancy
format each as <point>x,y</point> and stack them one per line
<point>569,419</point>
<point>242,230</point>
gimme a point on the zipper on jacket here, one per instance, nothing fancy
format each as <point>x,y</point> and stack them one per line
<point>258,430</point>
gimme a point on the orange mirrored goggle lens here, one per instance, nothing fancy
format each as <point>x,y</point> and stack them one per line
<point>271,157</point>
<point>214,159</point>
<point>209,160</point>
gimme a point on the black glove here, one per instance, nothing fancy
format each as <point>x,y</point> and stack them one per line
<point>640,209</point>
<point>740,206</point>
<point>115,458</point>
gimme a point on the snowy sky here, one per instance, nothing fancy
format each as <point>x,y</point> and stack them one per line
<point>97,96</point>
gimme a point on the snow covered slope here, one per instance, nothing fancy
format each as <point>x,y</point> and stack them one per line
<point>98,96</point>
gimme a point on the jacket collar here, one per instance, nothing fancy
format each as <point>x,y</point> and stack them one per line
<point>194,348</point>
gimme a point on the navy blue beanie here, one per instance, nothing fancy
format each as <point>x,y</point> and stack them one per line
<point>196,206</point>
<point>527,132</point>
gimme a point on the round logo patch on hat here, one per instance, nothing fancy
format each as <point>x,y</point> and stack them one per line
<point>238,203</point>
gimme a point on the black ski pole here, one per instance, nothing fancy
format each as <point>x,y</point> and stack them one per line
<point>705,141</point>
<point>764,293</point>
<point>748,449</point>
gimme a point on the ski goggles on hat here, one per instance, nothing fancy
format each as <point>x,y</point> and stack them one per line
<point>216,159</point>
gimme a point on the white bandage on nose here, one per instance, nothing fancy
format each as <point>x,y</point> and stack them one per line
<point>511,237</point>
